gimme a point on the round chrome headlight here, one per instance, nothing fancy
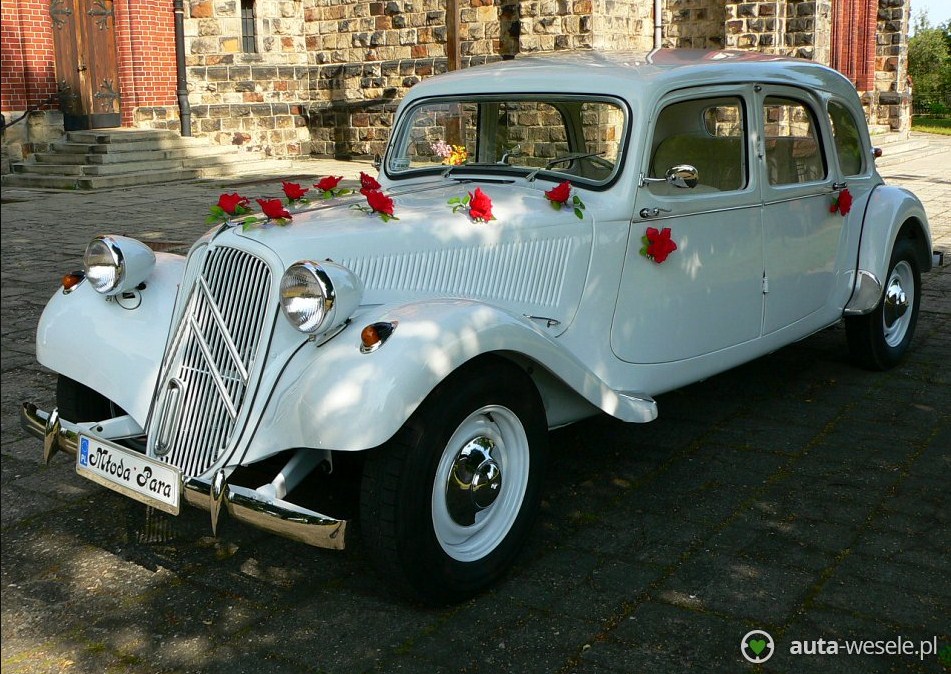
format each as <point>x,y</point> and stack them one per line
<point>116,264</point>
<point>319,296</point>
<point>307,295</point>
<point>103,264</point>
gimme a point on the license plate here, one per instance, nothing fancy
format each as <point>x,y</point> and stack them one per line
<point>130,473</point>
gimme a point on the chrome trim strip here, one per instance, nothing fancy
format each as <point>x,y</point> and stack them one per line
<point>245,505</point>
<point>725,209</point>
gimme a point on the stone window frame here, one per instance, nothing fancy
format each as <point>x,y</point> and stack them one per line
<point>247,12</point>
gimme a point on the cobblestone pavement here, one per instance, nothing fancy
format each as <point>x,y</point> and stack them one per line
<point>796,494</point>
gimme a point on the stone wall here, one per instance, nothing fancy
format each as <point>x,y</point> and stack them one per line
<point>328,74</point>
<point>694,24</point>
<point>892,88</point>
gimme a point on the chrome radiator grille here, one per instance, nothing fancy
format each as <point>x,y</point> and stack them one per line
<point>210,364</point>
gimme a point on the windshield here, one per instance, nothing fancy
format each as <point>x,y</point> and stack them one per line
<point>555,136</point>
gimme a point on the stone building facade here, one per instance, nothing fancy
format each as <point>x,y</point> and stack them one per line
<point>293,77</point>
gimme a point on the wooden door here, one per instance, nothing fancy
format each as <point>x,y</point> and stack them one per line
<point>87,72</point>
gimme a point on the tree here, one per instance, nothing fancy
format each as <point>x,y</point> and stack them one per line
<point>929,57</point>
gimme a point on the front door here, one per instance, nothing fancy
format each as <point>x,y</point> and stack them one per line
<point>87,72</point>
<point>707,296</point>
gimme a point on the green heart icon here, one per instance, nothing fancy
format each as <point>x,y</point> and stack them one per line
<point>756,645</point>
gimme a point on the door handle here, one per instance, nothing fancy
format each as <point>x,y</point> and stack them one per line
<point>653,212</point>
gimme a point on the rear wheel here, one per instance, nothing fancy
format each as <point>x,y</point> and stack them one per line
<point>448,502</point>
<point>879,340</point>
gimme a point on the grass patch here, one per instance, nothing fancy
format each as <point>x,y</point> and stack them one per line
<point>942,126</point>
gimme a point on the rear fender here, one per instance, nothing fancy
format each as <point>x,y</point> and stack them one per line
<point>891,212</point>
<point>335,397</point>
<point>114,347</point>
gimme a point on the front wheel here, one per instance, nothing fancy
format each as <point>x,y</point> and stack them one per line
<point>448,502</point>
<point>880,339</point>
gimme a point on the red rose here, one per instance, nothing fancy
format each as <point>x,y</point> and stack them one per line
<point>659,245</point>
<point>379,202</point>
<point>844,202</point>
<point>328,183</point>
<point>230,203</point>
<point>368,183</point>
<point>480,206</point>
<point>274,209</point>
<point>293,191</point>
<point>559,194</point>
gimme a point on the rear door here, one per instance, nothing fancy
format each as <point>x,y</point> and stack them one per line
<point>802,233</point>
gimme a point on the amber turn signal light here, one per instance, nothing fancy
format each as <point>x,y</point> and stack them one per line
<point>72,279</point>
<point>374,335</point>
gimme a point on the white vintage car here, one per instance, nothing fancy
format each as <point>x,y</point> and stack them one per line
<point>548,239</point>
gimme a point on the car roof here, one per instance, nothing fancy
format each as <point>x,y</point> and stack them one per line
<point>640,74</point>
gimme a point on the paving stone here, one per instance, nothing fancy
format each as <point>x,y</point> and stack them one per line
<point>796,493</point>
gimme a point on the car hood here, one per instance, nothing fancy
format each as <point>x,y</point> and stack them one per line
<point>530,259</point>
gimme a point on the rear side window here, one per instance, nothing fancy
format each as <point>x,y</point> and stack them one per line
<point>845,131</point>
<point>793,152</point>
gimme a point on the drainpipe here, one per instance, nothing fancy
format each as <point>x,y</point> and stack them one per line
<point>658,23</point>
<point>181,87</point>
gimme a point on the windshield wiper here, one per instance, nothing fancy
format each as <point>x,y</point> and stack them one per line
<point>469,164</point>
<point>561,160</point>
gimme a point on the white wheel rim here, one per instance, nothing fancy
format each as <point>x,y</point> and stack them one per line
<point>501,429</point>
<point>899,300</point>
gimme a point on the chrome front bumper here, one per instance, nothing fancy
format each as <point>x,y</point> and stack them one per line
<point>242,503</point>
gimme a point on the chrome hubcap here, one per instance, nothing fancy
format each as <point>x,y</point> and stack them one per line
<point>896,303</point>
<point>475,481</point>
<point>480,483</point>
<point>899,298</point>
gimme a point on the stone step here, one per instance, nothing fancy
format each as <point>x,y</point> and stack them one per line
<point>100,159</point>
<point>136,167</point>
<point>72,148</point>
<point>61,182</point>
<point>140,146</point>
<point>120,136</point>
<point>48,169</point>
<point>136,178</point>
<point>98,169</point>
<point>60,158</point>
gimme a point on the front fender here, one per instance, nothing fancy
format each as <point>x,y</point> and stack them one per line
<point>891,211</point>
<point>335,397</point>
<point>113,350</point>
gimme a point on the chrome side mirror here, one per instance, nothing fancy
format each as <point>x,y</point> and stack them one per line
<point>683,175</point>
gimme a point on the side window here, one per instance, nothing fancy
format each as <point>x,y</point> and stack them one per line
<point>846,134</point>
<point>706,133</point>
<point>793,153</point>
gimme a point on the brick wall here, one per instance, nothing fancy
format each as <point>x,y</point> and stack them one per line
<point>145,40</point>
<point>27,79</point>
<point>26,43</point>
